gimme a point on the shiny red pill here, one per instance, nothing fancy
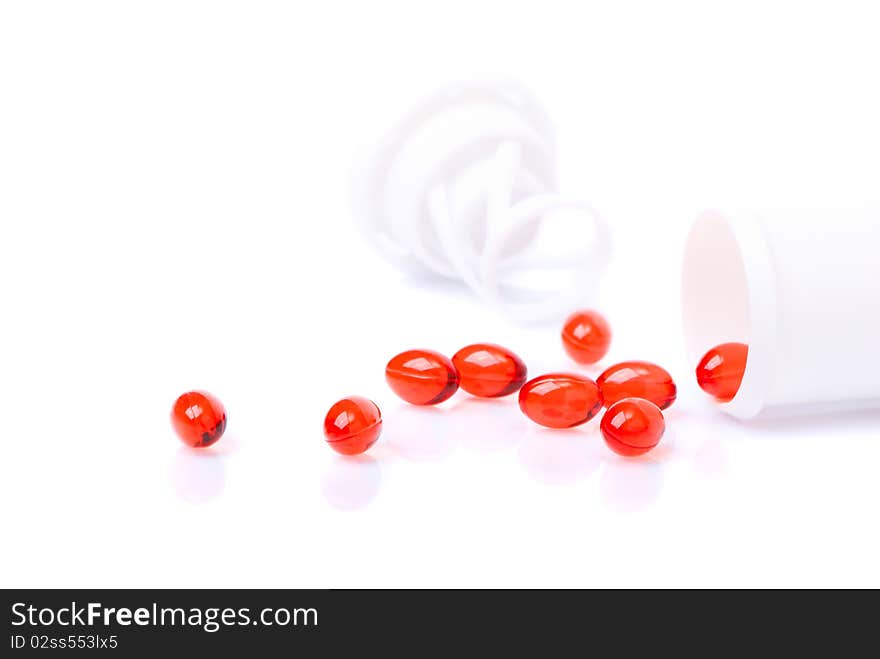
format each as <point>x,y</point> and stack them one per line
<point>353,425</point>
<point>720,372</point>
<point>422,377</point>
<point>560,400</point>
<point>488,370</point>
<point>633,426</point>
<point>637,380</point>
<point>198,418</point>
<point>586,336</point>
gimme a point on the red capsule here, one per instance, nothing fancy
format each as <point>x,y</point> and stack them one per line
<point>720,372</point>
<point>198,418</point>
<point>633,426</point>
<point>422,377</point>
<point>353,425</point>
<point>586,336</point>
<point>637,380</point>
<point>489,370</point>
<point>560,400</point>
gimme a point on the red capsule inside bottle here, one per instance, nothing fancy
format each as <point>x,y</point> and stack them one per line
<point>422,377</point>
<point>637,379</point>
<point>720,372</point>
<point>560,400</point>
<point>586,336</point>
<point>488,370</point>
<point>353,425</point>
<point>633,426</point>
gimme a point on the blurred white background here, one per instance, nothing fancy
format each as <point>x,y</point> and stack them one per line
<point>174,214</point>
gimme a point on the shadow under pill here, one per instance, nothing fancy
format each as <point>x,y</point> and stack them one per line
<point>227,445</point>
<point>198,475</point>
<point>795,427</point>
<point>559,457</point>
<point>710,459</point>
<point>487,424</point>
<point>351,482</point>
<point>419,434</point>
<point>630,484</point>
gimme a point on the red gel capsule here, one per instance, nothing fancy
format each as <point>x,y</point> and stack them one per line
<point>353,425</point>
<point>422,377</point>
<point>633,426</point>
<point>720,372</point>
<point>560,400</point>
<point>198,418</point>
<point>488,370</point>
<point>637,380</point>
<point>586,336</point>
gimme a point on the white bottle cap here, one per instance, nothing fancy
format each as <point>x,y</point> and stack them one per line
<point>461,187</point>
<point>802,289</point>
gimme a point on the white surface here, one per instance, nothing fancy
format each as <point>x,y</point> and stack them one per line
<point>174,213</point>
<point>786,282</point>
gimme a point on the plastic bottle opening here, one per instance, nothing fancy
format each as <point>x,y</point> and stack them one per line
<point>728,293</point>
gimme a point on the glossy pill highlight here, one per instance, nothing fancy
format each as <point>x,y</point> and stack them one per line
<point>198,418</point>
<point>586,336</point>
<point>353,425</point>
<point>422,377</point>
<point>720,372</point>
<point>488,370</point>
<point>633,426</point>
<point>560,400</point>
<point>637,379</point>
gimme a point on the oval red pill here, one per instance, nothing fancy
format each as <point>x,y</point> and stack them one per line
<point>720,372</point>
<point>198,418</point>
<point>488,370</point>
<point>637,379</point>
<point>353,425</point>
<point>586,336</point>
<point>422,377</point>
<point>633,426</point>
<point>560,400</point>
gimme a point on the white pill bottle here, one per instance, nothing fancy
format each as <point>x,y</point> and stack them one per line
<point>464,186</point>
<point>802,289</point>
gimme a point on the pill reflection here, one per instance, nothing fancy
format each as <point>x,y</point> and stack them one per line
<point>351,482</point>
